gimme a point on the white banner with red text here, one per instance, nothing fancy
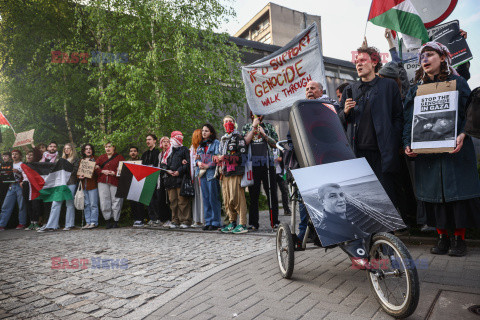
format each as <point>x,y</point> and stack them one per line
<point>278,80</point>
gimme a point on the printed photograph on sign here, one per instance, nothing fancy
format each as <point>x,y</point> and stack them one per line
<point>434,123</point>
<point>346,201</point>
<point>434,126</point>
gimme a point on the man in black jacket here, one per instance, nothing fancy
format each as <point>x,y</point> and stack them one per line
<point>150,158</point>
<point>372,113</point>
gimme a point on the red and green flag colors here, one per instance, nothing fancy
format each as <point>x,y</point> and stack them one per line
<point>48,181</point>
<point>401,16</point>
<point>137,182</point>
<point>4,124</point>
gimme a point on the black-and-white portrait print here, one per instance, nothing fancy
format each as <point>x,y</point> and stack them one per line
<point>346,201</point>
<point>437,126</point>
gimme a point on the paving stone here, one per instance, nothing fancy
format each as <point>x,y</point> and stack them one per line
<point>63,313</point>
<point>49,308</point>
<point>88,308</point>
<point>100,313</point>
<point>79,291</point>
<point>119,313</point>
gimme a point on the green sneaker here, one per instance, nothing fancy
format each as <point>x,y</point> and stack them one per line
<point>30,227</point>
<point>240,229</point>
<point>229,228</point>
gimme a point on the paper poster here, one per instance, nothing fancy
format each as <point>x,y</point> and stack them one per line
<point>434,123</point>
<point>346,201</point>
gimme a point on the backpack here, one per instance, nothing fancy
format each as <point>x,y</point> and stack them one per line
<point>472,119</point>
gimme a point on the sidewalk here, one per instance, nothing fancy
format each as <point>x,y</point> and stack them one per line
<point>323,287</point>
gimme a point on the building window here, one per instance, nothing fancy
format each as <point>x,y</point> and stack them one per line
<point>266,38</point>
<point>262,26</point>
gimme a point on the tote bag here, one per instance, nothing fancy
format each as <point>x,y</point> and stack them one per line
<point>247,179</point>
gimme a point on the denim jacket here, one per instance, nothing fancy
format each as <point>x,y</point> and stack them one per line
<point>213,150</point>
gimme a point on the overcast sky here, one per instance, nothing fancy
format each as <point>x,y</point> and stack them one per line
<point>343,25</point>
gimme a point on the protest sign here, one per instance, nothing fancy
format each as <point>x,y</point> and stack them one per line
<point>24,138</point>
<point>346,201</point>
<point>120,165</point>
<point>86,168</point>
<point>275,82</point>
<point>434,124</point>
<point>6,172</point>
<point>448,34</point>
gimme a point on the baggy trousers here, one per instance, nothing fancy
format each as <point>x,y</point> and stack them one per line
<point>110,205</point>
<point>234,199</point>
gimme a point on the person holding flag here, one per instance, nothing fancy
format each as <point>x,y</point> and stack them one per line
<point>69,154</point>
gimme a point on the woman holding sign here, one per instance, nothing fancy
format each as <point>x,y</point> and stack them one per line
<point>447,184</point>
<point>90,188</point>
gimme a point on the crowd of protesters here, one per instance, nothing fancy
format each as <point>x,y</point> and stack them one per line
<point>376,113</point>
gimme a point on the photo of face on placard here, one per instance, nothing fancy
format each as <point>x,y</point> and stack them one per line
<point>346,201</point>
<point>434,126</point>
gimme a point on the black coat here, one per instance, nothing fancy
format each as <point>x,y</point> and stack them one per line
<point>387,116</point>
<point>174,163</point>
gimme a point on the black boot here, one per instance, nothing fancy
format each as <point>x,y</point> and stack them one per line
<point>458,247</point>
<point>115,224</point>
<point>442,246</point>
<point>109,224</point>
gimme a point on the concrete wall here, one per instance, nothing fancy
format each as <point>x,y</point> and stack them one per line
<point>287,23</point>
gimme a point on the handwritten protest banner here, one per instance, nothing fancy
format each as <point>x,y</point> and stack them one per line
<point>276,81</point>
<point>86,168</point>
<point>24,138</point>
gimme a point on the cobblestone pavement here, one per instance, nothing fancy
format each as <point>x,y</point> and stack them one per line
<point>157,262</point>
<point>324,286</point>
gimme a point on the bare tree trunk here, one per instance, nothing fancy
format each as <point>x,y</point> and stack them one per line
<point>67,120</point>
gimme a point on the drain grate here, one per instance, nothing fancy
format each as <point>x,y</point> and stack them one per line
<point>475,309</point>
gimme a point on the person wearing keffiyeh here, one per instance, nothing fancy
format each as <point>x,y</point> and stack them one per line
<point>177,160</point>
<point>51,155</point>
<point>446,184</point>
<point>232,149</point>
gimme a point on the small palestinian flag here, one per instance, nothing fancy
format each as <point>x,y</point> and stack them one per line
<point>4,122</point>
<point>137,182</point>
<point>48,181</point>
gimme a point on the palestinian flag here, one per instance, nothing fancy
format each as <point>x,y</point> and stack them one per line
<point>137,182</point>
<point>48,181</point>
<point>4,122</point>
<point>401,16</point>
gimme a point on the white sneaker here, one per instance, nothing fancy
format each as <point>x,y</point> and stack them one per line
<point>167,224</point>
<point>150,223</point>
<point>173,226</point>
<point>183,226</point>
<point>66,229</point>
<point>138,224</point>
<point>196,225</point>
<point>92,225</point>
<point>87,226</point>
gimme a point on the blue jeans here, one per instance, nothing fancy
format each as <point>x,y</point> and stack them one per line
<point>14,193</point>
<point>55,211</point>
<point>91,206</point>
<point>302,226</point>
<point>211,203</point>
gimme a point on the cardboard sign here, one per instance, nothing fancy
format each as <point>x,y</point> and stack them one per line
<point>435,112</point>
<point>120,165</point>
<point>86,168</point>
<point>278,80</point>
<point>448,34</point>
<point>24,138</point>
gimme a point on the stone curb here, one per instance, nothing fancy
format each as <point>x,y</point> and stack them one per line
<point>160,301</point>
